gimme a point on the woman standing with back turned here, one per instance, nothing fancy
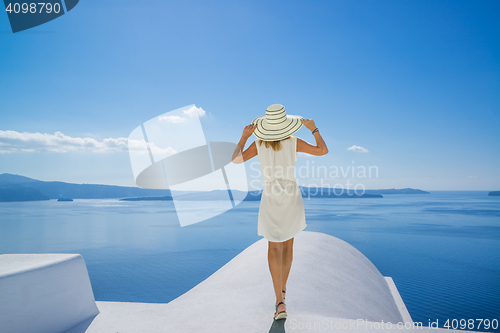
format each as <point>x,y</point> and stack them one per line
<point>281,212</point>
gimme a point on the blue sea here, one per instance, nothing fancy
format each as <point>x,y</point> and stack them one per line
<point>442,249</point>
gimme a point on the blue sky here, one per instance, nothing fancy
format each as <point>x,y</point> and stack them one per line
<point>415,83</point>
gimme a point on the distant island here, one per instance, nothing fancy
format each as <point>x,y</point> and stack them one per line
<point>315,192</point>
<point>20,188</point>
<point>64,199</point>
<point>398,191</point>
<point>494,194</point>
<point>307,192</point>
<point>165,198</point>
<point>14,192</point>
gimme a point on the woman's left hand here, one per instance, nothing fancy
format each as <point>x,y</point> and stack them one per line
<point>248,130</point>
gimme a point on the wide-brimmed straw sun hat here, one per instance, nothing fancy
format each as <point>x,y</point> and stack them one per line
<point>276,124</point>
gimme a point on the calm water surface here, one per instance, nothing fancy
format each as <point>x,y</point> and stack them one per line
<point>441,249</point>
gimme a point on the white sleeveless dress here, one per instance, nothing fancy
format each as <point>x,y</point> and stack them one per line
<point>281,212</point>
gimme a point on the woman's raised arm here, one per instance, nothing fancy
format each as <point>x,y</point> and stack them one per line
<point>304,147</point>
<point>251,151</point>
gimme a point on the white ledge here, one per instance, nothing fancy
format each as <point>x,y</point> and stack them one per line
<point>44,293</point>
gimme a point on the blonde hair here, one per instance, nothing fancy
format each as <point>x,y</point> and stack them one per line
<point>276,145</point>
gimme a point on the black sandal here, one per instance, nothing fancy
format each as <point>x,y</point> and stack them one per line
<point>282,314</point>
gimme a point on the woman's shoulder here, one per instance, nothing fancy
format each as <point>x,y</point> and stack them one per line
<point>292,142</point>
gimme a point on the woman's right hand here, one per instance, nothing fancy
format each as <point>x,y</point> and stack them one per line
<point>248,130</point>
<point>309,123</point>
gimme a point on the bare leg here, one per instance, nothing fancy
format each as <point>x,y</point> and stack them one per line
<point>275,256</point>
<point>286,262</point>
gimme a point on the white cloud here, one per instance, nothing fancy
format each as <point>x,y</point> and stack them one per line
<point>172,119</point>
<point>141,147</point>
<point>12,142</point>
<point>358,149</point>
<point>192,111</point>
